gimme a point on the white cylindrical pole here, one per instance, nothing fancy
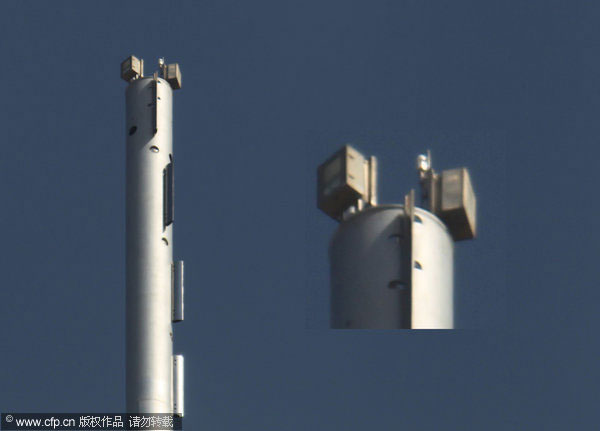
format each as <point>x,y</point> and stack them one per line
<point>149,246</point>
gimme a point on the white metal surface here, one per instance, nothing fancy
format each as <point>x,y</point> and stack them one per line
<point>372,285</point>
<point>432,273</point>
<point>178,385</point>
<point>149,248</point>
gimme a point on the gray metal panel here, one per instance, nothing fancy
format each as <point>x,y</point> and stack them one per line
<point>178,385</point>
<point>341,182</point>
<point>131,68</point>
<point>149,246</point>
<point>356,174</point>
<point>178,291</point>
<point>458,203</point>
<point>370,258</point>
<point>173,76</point>
<point>470,202</point>
<point>452,189</point>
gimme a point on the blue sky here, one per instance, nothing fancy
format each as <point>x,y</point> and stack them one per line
<point>270,89</point>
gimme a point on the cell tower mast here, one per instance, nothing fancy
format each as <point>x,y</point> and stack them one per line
<point>392,265</point>
<point>154,290</point>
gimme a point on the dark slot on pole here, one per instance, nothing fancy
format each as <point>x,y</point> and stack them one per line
<point>168,204</point>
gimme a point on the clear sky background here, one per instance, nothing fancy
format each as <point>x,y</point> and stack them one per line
<point>270,89</point>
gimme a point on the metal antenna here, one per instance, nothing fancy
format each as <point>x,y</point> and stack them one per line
<point>392,265</point>
<point>428,181</point>
<point>161,66</point>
